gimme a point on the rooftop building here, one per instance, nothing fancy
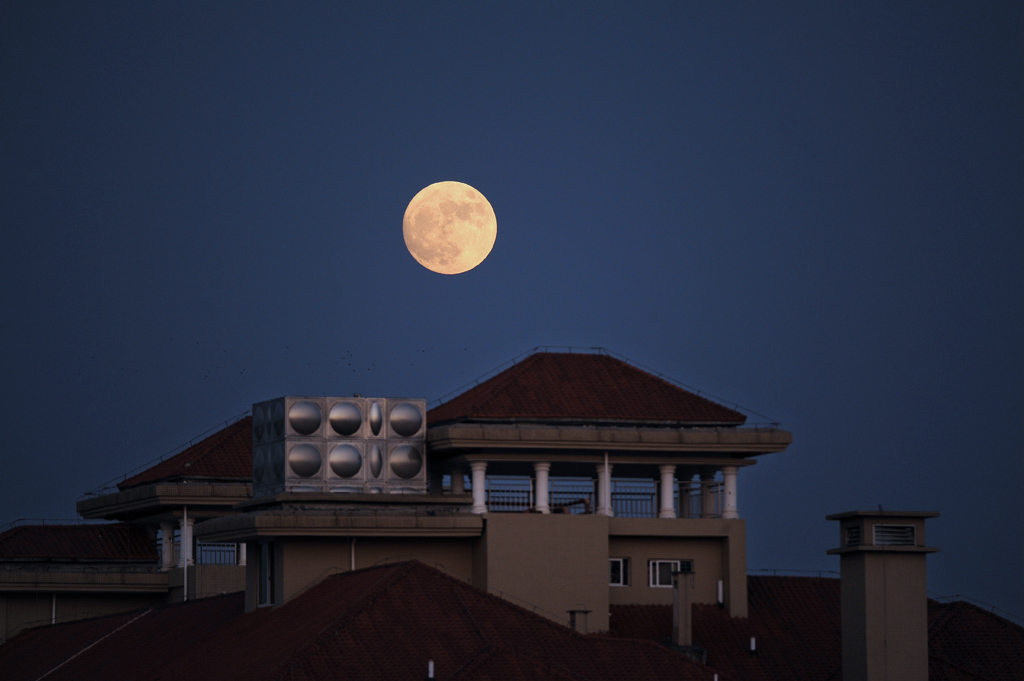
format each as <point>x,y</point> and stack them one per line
<point>571,491</point>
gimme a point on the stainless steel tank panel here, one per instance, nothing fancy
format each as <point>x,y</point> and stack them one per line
<point>259,422</point>
<point>376,417</point>
<point>405,419</point>
<point>259,464</point>
<point>305,460</point>
<point>376,458</point>
<point>345,460</point>
<point>304,417</point>
<point>406,461</point>
<point>277,419</point>
<point>345,418</point>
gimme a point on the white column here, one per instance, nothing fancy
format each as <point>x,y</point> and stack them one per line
<point>185,541</point>
<point>540,473</point>
<point>604,489</point>
<point>667,495</point>
<point>729,478</point>
<point>479,474</point>
<point>458,480</point>
<point>240,551</point>
<point>166,546</point>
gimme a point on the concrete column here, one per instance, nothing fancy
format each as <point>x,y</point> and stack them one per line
<point>166,546</point>
<point>604,490</point>
<point>240,553</point>
<point>479,474</point>
<point>667,492</point>
<point>540,474</point>
<point>707,509</point>
<point>730,505</point>
<point>185,541</point>
<point>458,480</point>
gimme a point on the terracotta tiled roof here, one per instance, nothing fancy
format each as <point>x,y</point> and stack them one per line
<point>380,623</point>
<point>796,624</point>
<point>560,386</point>
<point>227,454</point>
<point>83,542</point>
<point>965,641</point>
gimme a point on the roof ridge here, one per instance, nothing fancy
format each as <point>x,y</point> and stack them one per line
<point>392,572</point>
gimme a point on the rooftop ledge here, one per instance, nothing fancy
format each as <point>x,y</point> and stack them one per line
<point>449,438</point>
<point>148,497</point>
<point>338,523</point>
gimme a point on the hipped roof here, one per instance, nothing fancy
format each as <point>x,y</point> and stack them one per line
<point>379,623</point>
<point>796,624</point>
<point>225,455</point>
<point>552,387</point>
<point>113,542</point>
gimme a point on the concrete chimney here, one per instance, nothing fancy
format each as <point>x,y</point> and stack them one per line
<point>883,594</point>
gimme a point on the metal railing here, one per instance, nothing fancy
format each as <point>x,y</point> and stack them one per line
<point>509,494</point>
<point>206,553</point>
<point>634,499</point>
<point>215,554</point>
<point>700,499</point>
<point>630,498</point>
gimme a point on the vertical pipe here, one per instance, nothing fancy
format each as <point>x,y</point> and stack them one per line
<point>53,609</point>
<point>185,556</point>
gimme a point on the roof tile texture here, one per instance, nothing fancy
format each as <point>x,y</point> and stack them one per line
<point>553,386</point>
<point>380,623</point>
<point>796,624</point>
<point>225,454</point>
<point>82,542</point>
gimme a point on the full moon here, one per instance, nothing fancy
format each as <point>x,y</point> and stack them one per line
<point>449,227</point>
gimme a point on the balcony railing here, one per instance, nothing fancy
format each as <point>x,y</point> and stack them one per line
<point>630,498</point>
<point>206,553</point>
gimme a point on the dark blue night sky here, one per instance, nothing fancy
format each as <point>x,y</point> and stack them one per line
<point>814,210</point>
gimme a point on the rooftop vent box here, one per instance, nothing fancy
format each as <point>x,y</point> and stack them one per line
<point>894,535</point>
<point>339,444</point>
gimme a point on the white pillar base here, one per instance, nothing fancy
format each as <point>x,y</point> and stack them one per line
<point>540,472</point>
<point>604,490</point>
<point>479,473</point>
<point>731,508</point>
<point>667,507</point>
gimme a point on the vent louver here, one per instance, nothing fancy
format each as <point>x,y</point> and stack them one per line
<point>853,536</point>
<point>894,535</point>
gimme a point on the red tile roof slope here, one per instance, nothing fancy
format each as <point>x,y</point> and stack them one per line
<point>117,542</point>
<point>379,623</point>
<point>224,455</point>
<point>965,642</point>
<point>559,386</point>
<point>133,645</point>
<point>796,624</point>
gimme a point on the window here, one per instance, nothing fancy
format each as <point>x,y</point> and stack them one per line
<point>894,535</point>
<point>660,571</point>
<point>266,574</point>
<point>619,571</point>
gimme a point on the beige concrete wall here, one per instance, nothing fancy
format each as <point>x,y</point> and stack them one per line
<point>557,562</point>
<point>307,561</point>
<point>706,554</point>
<point>702,538</point>
<point>213,580</point>
<point>884,603</point>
